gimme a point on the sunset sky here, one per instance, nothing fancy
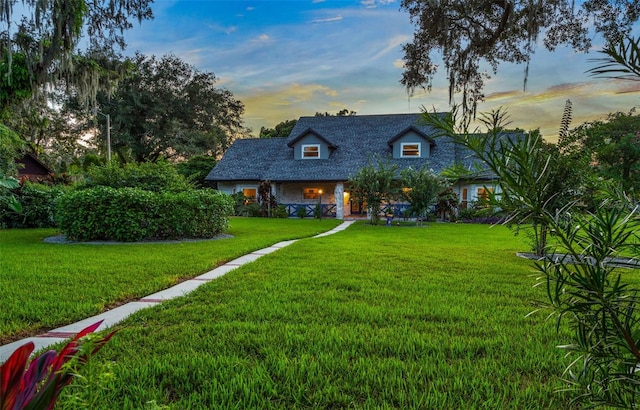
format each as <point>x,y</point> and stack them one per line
<point>286,59</point>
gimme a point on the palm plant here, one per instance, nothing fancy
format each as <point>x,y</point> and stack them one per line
<point>622,60</point>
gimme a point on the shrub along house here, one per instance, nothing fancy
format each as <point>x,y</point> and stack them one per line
<point>314,164</point>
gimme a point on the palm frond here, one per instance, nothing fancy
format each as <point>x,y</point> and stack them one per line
<point>622,61</point>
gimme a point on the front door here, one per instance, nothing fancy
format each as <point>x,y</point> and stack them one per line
<point>357,208</point>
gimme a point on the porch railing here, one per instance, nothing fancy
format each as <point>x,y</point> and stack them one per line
<point>328,210</point>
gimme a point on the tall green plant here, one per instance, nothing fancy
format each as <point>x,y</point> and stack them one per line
<point>375,184</point>
<point>421,187</point>
<point>586,290</point>
<point>528,172</point>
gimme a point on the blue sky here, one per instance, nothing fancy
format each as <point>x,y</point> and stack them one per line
<point>285,59</point>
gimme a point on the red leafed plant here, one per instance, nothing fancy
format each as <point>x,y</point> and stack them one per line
<point>37,386</point>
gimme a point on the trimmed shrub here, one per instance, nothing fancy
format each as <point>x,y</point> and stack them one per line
<point>38,206</point>
<point>133,214</point>
<point>150,176</point>
<point>280,212</point>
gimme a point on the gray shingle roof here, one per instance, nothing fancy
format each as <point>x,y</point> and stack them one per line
<point>357,138</point>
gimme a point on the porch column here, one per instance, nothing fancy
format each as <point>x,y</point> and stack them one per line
<point>338,195</point>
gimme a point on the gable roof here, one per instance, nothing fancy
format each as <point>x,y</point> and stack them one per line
<point>310,131</point>
<point>358,140</point>
<point>409,129</point>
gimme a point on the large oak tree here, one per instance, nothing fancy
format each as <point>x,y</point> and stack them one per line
<point>168,109</point>
<point>39,42</point>
<point>475,35</point>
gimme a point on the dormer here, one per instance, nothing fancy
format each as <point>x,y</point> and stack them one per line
<point>411,143</point>
<point>310,145</point>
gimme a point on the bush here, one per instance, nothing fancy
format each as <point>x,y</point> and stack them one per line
<point>38,206</point>
<point>150,176</point>
<point>280,212</point>
<point>301,212</point>
<point>133,214</point>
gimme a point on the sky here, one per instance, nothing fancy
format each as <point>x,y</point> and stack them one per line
<point>286,59</point>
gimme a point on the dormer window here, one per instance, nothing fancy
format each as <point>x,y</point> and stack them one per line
<point>410,150</point>
<point>311,151</point>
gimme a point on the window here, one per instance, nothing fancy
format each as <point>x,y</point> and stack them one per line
<point>250,193</point>
<point>311,151</point>
<point>483,196</point>
<point>311,193</point>
<point>465,195</point>
<point>411,149</point>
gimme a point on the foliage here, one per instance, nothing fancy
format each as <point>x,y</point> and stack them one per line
<point>38,386</point>
<point>375,184</point>
<point>15,81</point>
<point>301,212</point>
<point>342,113</point>
<point>11,146</point>
<point>51,131</point>
<point>531,175</point>
<point>622,60</point>
<point>281,130</point>
<point>280,212</point>
<point>150,176</point>
<point>420,189</point>
<point>447,203</point>
<point>133,214</point>
<point>586,290</point>
<point>168,109</point>
<point>9,202</point>
<point>37,206</point>
<point>611,148</point>
<point>266,199</point>
<point>474,34</point>
<point>317,211</point>
<point>196,169</point>
<point>39,42</point>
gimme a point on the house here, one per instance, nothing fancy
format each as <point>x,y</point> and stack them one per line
<point>313,165</point>
<point>32,169</point>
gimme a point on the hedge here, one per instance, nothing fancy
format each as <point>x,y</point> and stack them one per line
<point>38,206</point>
<point>134,214</point>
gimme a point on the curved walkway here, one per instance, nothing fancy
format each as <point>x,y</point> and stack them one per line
<point>114,316</point>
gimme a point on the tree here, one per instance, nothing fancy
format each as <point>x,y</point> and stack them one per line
<point>420,189</point>
<point>282,129</point>
<point>39,42</point>
<point>611,147</point>
<point>11,146</point>
<point>197,168</point>
<point>373,185</point>
<point>168,109</point>
<point>342,113</point>
<point>532,176</point>
<point>472,34</point>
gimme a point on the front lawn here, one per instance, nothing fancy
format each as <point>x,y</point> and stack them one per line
<point>371,318</point>
<point>44,286</point>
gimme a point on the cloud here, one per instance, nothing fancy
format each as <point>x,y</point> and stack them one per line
<point>328,20</point>
<point>398,63</point>
<point>263,37</point>
<point>375,3</point>
<point>393,44</point>
<point>250,8</point>
<point>216,28</point>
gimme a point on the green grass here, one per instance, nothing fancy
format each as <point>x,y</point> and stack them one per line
<point>373,317</point>
<point>370,318</point>
<point>47,285</point>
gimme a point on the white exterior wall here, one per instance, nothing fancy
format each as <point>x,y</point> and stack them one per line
<point>234,187</point>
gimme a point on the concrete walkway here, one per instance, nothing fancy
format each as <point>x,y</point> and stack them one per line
<point>111,317</point>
